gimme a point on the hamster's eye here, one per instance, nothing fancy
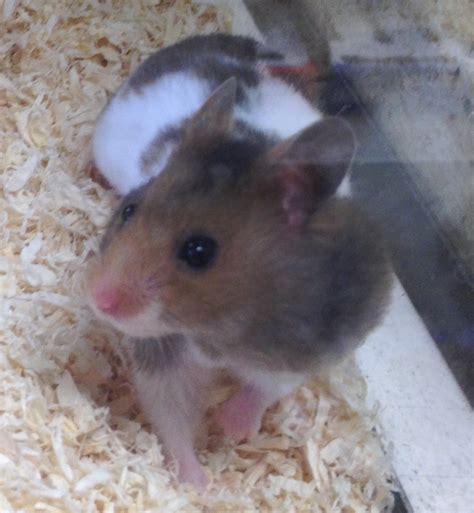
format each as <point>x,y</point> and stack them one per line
<point>128,212</point>
<point>198,251</point>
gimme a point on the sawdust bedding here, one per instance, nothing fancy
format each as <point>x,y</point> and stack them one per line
<point>71,436</point>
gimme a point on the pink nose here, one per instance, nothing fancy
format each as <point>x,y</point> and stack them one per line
<point>108,299</point>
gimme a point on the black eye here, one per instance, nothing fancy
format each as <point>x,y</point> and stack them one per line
<point>128,212</point>
<point>198,251</point>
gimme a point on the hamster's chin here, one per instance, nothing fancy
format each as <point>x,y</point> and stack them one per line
<point>145,324</point>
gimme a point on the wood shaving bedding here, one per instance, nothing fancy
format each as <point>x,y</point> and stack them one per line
<point>71,436</point>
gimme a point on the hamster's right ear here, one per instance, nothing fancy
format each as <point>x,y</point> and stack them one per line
<point>215,118</point>
<point>311,165</point>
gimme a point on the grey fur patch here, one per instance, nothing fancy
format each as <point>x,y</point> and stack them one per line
<point>215,57</point>
<point>157,149</point>
<point>155,354</point>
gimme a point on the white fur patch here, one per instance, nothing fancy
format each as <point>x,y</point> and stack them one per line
<point>272,385</point>
<point>277,109</point>
<point>345,189</point>
<point>145,324</point>
<point>131,121</point>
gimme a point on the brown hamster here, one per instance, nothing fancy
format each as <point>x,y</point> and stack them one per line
<point>242,255</point>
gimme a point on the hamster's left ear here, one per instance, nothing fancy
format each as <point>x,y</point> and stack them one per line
<point>215,118</point>
<point>311,165</point>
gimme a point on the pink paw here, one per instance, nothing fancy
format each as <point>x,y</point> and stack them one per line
<point>189,470</point>
<point>240,416</point>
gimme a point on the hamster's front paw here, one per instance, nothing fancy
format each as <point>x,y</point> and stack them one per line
<point>240,417</point>
<point>190,470</point>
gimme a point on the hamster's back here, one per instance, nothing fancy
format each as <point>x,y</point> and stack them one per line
<point>141,126</point>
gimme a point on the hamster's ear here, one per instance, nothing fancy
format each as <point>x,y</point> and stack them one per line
<point>215,118</point>
<point>311,165</point>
